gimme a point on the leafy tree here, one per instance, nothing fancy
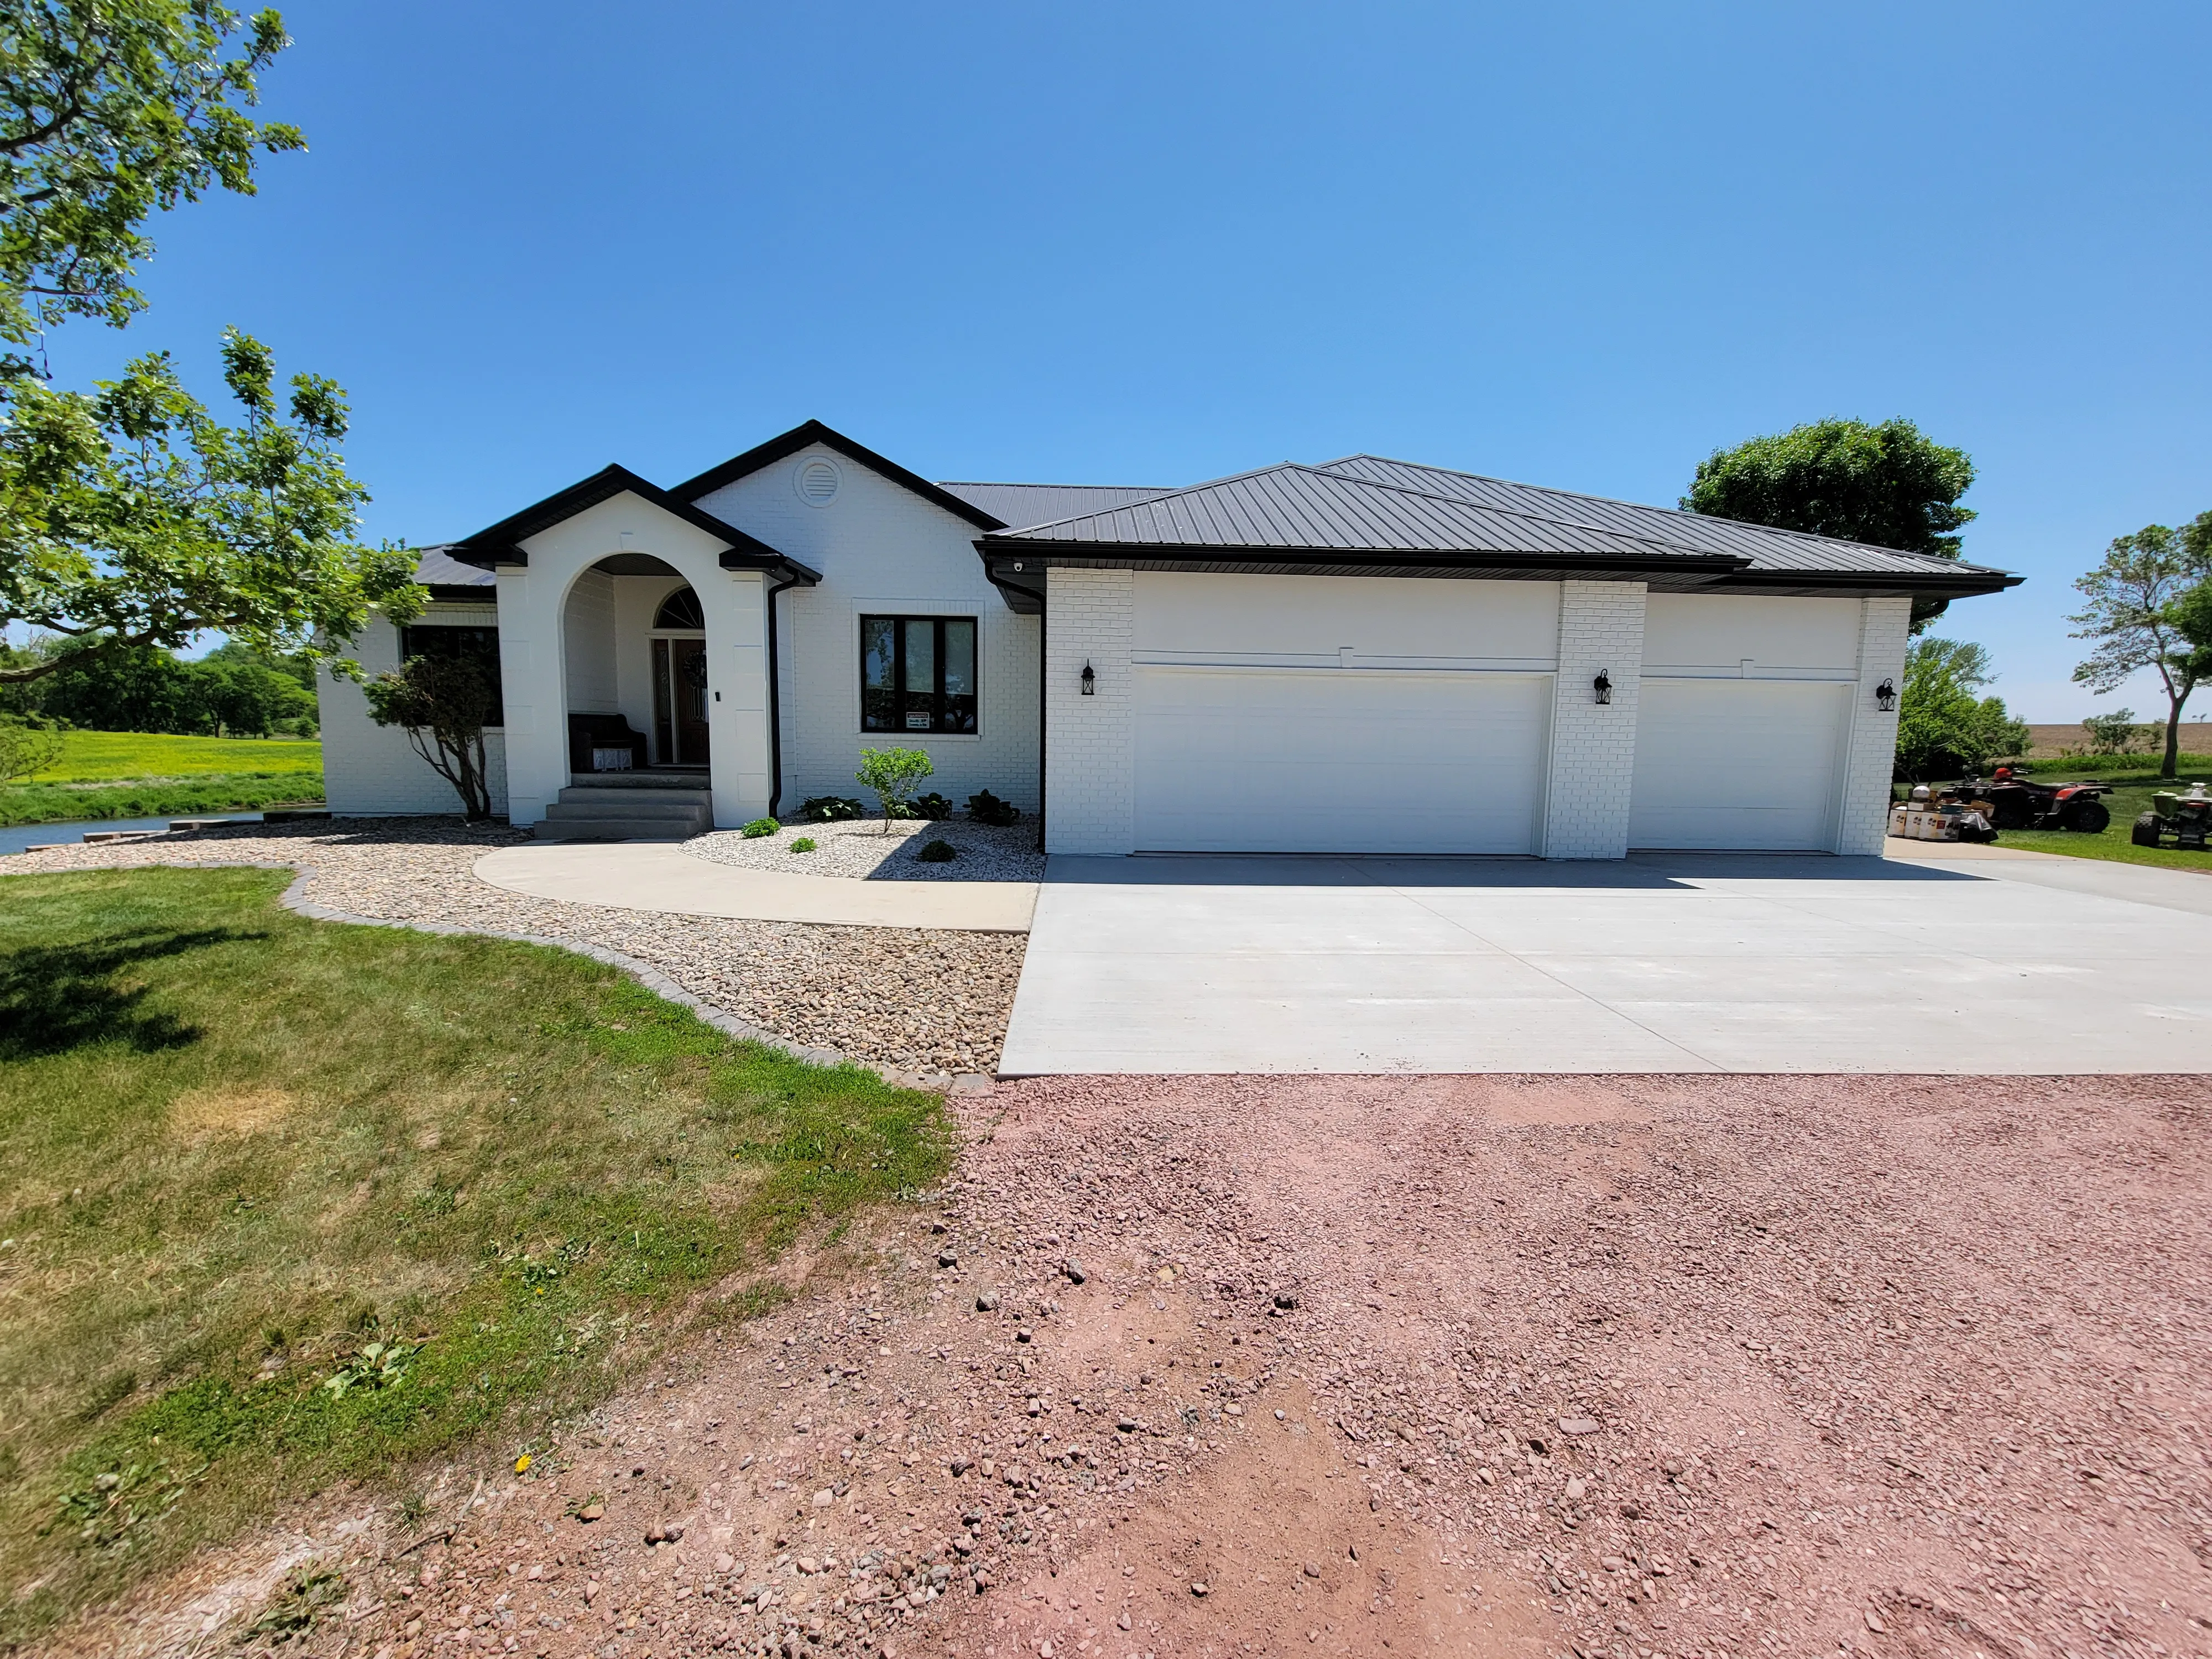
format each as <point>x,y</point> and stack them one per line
<point>145,689</point>
<point>1888,485</point>
<point>133,517</point>
<point>894,774</point>
<point>109,111</point>
<point>2139,599</point>
<point>130,516</point>
<point>1943,730</point>
<point>443,703</point>
<point>26,748</point>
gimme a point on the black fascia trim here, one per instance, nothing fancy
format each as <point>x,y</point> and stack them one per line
<point>1021,599</point>
<point>501,543</point>
<point>1936,584</point>
<point>1162,557</point>
<point>813,432</point>
<point>775,563</point>
<point>448,593</point>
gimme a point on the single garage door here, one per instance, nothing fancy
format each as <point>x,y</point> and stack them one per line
<point>1753,764</point>
<point>1258,760</point>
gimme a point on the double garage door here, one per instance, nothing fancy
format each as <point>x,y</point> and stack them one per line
<point>1261,760</point>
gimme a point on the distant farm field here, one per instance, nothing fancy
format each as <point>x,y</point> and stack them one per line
<point>131,774</point>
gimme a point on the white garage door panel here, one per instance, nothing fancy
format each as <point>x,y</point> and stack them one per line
<point>1732,764</point>
<point>1271,760</point>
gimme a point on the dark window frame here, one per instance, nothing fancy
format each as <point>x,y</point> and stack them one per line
<point>944,719</point>
<point>410,642</point>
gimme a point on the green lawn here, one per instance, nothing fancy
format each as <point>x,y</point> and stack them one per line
<point>284,1201</point>
<point>141,774</point>
<point>2131,793</point>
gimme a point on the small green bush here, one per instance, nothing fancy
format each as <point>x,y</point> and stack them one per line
<point>938,852</point>
<point>894,774</point>
<point>987,808</point>
<point>933,806</point>
<point>830,809</point>
<point>760,827</point>
<point>804,844</point>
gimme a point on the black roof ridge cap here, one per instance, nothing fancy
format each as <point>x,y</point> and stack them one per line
<point>813,431</point>
<point>1641,507</point>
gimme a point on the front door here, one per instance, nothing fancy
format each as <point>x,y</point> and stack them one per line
<point>679,699</point>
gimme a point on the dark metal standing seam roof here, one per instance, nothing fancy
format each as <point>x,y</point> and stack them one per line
<point>1767,548</point>
<point>1370,514</point>
<point>1022,503</point>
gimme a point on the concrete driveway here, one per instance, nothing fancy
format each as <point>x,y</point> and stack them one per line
<point>1665,962</point>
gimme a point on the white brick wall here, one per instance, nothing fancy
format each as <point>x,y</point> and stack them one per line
<point>1884,628</point>
<point>1091,761</point>
<point>1593,744</point>
<point>372,771</point>
<point>883,550</point>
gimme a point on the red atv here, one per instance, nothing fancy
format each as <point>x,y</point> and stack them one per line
<point>2018,803</point>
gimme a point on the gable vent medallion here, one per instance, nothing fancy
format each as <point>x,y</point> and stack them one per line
<point>817,482</point>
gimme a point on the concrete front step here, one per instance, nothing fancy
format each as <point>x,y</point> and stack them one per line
<point>613,827</point>
<point>626,814</point>
<point>657,803</point>
<point>694,782</point>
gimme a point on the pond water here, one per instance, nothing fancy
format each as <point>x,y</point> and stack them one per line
<point>15,837</point>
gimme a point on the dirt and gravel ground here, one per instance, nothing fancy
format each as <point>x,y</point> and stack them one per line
<point>1651,1365</point>
<point>916,1000</point>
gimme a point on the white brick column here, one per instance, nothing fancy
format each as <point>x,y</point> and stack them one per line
<point>1884,628</point>
<point>1593,744</point>
<point>1090,743</point>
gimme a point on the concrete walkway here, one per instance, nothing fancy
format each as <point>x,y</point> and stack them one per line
<point>638,875</point>
<point>1946,963</point>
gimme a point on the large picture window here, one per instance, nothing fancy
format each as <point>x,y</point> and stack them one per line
<point>479,645</point>
<point>918,674</point>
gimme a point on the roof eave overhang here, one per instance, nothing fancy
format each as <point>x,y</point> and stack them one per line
<point>1869,585</point>
<point>502,544</point>
<point>813,433</point>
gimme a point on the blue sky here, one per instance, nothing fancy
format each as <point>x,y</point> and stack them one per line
<point>1575,245</point>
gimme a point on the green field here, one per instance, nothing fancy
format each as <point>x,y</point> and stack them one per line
<point>288,1201</point>
<point>138,775</point>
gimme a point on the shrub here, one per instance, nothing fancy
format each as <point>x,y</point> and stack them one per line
<point>893,773</point>
<point>804,844</point>
<point>933,806</point>
<point>442,703</point>
<point>830,809</point>
<point>760,827</point>
<point>2117,733</point>
<point>987,808</point>
<point>938,852</point>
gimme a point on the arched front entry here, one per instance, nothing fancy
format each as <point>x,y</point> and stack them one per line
<point>580,617</point>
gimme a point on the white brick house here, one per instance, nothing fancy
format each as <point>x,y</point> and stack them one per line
<point>1366,655</point>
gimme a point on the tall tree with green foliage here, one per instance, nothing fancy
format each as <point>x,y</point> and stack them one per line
<point>1889,485</point>
<point>130,516</point>
<point>111,110</point>
<point>2145,610</point>
<point>1943,729</point>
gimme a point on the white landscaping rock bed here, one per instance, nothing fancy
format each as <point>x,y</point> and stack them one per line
<point>910,1000</point>
<point>860,849</point>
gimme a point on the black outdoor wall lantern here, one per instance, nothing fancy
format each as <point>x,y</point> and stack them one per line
<point>1602,686</point>
<point>1885,696</point>
<point>1090,681</point>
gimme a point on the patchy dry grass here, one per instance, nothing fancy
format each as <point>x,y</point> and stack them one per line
<point>285,1202</point>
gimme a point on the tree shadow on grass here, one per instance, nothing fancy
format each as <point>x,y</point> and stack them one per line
<point>55,998</point>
